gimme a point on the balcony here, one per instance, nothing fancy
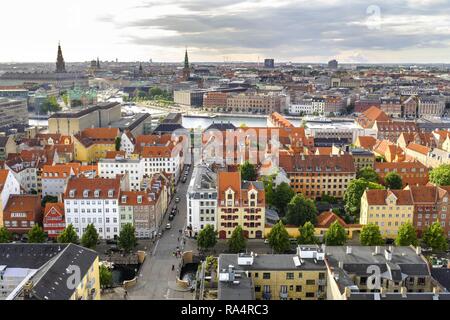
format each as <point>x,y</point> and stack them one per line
<point>283,295</point>
<point>267,296</point>
<point>322,282</point>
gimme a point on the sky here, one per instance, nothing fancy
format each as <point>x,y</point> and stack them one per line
<point>351,31</point>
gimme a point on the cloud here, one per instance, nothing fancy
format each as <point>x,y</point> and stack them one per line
<point>289,28</point>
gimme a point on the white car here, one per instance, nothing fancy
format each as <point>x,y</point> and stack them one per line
<point>177,199</point>
<point>168,226</point>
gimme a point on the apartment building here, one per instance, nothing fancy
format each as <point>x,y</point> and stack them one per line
<point>362,158</point>
<point>8,186</point>
<point>159,158</point>
<point>255,103</point>
<point>300,276</point>
<point>54,221</point>
<point>201,199</point>
<point>240,203</point>
<point>92,144</point>
<point>109,168</point>
<point>13,112</point>
<point>388,209</point>
<point>317,175</point>
<point>404,274</point>
<point>55,179</point>
<point>94,201</point>
<point>22,213</point>
<point>215,101</point>
<point>431,106</point>
<point>391,106</point>
<point>412,173</point>
<point>391,130</point>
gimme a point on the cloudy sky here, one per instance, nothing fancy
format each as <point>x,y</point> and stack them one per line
<point>227,30</point>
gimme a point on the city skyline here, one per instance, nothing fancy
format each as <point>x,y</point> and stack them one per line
<point>224,31</point>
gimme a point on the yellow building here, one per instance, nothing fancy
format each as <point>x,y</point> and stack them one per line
<point>89,287</point>
<point>240,203</point>
<point>389,209</point>
<point>362,158</point>
<point>91,145</point>
<point>300,276</point>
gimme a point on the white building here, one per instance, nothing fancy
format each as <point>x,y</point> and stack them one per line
<point>127,143</point>
<point>55,179</point>
<point>158,159</point>
<point>201,199</point>
<point>8,186</point>
<point>304,108</point>
<point>94,201</point>
<point>110,168</point>
<point>318,105</point>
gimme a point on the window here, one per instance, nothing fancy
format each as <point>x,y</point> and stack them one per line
<point>310,282</point>
<point>310,295</point>
<point>298,288</point>
<point>266,275</point>
<point>290,276</point>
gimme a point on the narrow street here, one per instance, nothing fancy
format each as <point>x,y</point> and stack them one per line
<point>156,280</point>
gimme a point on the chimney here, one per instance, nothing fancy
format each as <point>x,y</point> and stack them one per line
<point>403,291</point>
<point>349,250</point>
<point>418,250</point>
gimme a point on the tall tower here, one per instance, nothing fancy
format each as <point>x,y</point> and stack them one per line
<point>60,64</point>
<point>186,69</point>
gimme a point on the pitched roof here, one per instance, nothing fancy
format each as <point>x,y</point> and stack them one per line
<point>418,148</point>
<point>92,188</point>
<point>3,176</point>
<point>56,172</point>
<point>317,163</point>
<point>378,197</point>
<point>366,142</point>
<point>423,194</point>
<point>24,203</point>
<point>326,219</point>
<point>54,207</point>
<point>376,114</point>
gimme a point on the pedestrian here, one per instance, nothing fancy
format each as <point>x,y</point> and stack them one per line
<point>173,267</point>
<point>125,295</point>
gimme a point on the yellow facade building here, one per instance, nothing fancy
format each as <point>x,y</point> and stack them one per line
<point>91,145</point>
<point>389,209</point>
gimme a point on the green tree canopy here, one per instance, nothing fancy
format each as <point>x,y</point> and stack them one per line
<point>407,235</point>
<point>5,235</point>
<point>393,181</point>
<point>118,143</point>
<point>441,175</point>
<point>307,234</point>
<point>48,199</point>
<point>335,235</point>
<point>434,237</point>
<point>268,188</point>
<point>68,235</point>
<point>371,235</point>
<point>127,237</point>
<point>207,238</point>
<point>354,192</point>
<point>237,242</point>
<point>282,195</point>
<point>300,210</point>
<point>90,237</point>
<point>279,238</point>
<point>105,277</point>
<point>36,235</point>
<point>50,105</point>
<point>248,171</point>
<point>367,173</point>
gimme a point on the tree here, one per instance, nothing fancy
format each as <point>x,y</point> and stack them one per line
<point>237,242</point>
<point>5,235</point>
<point>50,105</point>
<point>301,210</point>
<point>90,237</point>
<point>282,195</point>
<point>371,235</point>
<point>118,143</point>
<point>441,175</point>
<point>36,235</point>
<point>393,181</point>
<point>367,173</point>
<point>268,188</point>
<point>307,234</point>
<point>434,237</point>
<point>127,237</point>
<point>207,238</point>
<point>335,235</point>
<point>406,235</point>
<point>68,235</point>
<point>48,199</point>
<point>354,192</point>
<point>279,238</point>
<point>105,276</point>
<point>248,171</point>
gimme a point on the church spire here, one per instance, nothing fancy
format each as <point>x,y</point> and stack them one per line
<point>60,64</point>
<point>187,68</point>
<point>186,60</point>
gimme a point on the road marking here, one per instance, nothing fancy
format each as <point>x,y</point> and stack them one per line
<point>156,246</point>
<point>167,294</point>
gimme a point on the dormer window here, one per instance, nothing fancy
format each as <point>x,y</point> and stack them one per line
<point>124,199</point>
<point>72,193</point>
<point>97,193</point>
<point>110,193</point>
<point>139,199</point>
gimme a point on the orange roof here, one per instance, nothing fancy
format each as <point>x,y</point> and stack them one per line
<point>23,203</point>
<point>57,172</point>
<point>375,114</point>
<point>366,142</point>
<point>55,208</point>
<point>418,148</point>
<point>82,186</point>
<point>378,197</point>
<point>280,120</point>
<point>3,177</point>
<point>114,154</point>
<point>326,219</point>
<point>101,133</point>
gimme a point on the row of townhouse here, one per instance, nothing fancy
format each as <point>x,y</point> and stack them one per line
<point>419,205</point>
<point>319,105</point>
<point>225,201</point>
<point>330,273</point>
<point>109,204</point>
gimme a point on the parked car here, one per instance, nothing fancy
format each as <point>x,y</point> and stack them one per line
<point>266,241</point>
<point>177,199</point>
<point>171,217</point>
<point>168,226</point>
<point>111,241</point>
<point>184,180</point>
